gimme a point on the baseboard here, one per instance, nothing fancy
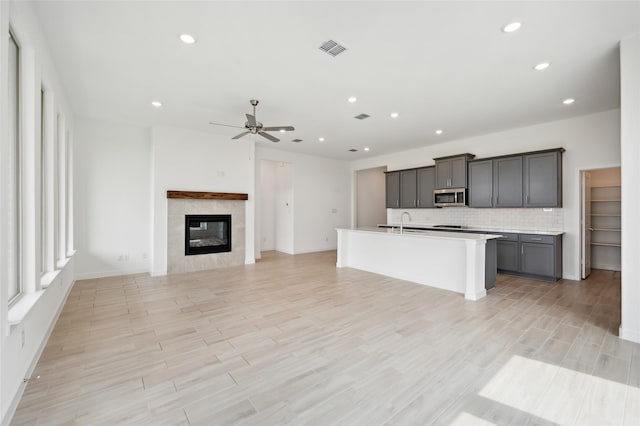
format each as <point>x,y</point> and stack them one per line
<point>607,267</point>
<point>112,273</point>
<point>631,335</point>
<point>314,250</point>
<point>34,362</point>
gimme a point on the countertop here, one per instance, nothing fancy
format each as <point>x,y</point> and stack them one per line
<point>425,233</point>
<point>452,230</point>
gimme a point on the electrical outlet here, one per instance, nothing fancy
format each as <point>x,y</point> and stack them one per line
<point>326,239</point>
<point>22,338</point>
<point>334,210</point>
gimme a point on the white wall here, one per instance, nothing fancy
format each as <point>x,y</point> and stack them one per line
<point>591,141</point>
<point>321,197</point>
<point>195,161</point>
<point>112,198</point>
<point>21,342</point>
<point>630,149</point>
<point>370,197</point>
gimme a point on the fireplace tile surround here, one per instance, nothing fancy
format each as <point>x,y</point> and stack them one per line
<point>177,208</point>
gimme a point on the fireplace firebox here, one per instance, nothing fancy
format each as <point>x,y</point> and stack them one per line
<point>207,234</point>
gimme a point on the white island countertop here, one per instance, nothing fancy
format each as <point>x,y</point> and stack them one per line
<point>448,235</point>
<point>452,261</point>
<point>426,226</point>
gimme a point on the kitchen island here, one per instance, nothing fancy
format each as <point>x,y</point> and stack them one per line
<point>447,260</point>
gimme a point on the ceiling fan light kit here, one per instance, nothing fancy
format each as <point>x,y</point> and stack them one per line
<point>255,127</point>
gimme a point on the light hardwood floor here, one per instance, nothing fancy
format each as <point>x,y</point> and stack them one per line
<point>293,339</point>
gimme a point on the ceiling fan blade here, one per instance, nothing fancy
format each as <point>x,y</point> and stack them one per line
<point>240,135</point>
<point>251,119</point>
<point>268,136</point>
<point>226,125</point>
<point>276,128</point>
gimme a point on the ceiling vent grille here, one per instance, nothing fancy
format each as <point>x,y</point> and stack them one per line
<point>362,116</point>
<point>332,48</point>
<point>296,140</point>
<point>353,150</point>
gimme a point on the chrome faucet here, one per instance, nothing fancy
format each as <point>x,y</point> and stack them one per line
<point>402,220</point>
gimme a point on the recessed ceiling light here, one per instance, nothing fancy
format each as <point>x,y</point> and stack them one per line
<point>542,66</point>
<point>320,139</point>
<point>509,28</point>
<point>439,132</point>
<point>187,38</point>
<point>352,99</point>
<point>156,104</point>
<point>366,148</point>
<point>282,130</point>
<point>568,101</point>
<point>394,115</point>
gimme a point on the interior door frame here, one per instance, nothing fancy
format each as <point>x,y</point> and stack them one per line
<point>578,213</point>
<point>585,224</point>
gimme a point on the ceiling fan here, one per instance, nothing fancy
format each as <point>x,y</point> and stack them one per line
<point>255,127</point>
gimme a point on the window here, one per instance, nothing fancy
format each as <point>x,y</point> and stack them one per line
<point>13,74</point>
<point>43,191</point>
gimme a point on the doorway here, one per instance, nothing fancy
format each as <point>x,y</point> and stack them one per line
<point>370,197</point>
<point>601,217</point>
<point>276,206</point>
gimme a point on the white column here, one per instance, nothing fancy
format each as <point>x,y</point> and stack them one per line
<point>630,158</point>
<point>475,270</point>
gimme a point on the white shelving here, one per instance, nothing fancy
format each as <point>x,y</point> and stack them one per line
<point>606,226</point>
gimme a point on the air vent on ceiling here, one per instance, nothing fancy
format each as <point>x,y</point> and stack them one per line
<point>362,116</point>
<point>332,48</point>
<point>296,140</point>
<point>353,150</point>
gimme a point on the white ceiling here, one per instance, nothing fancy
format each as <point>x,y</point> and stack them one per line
<point>441,65</point>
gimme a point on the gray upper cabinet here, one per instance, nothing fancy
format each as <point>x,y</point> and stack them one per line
<point>451,172</point>
<point>507,182</point>
<point>543,179</point>
<point>393,189</point>
<point>481,183</point>
<point>426,184</point>
<point>408,189</point>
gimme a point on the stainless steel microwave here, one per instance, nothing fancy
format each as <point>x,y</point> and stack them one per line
<point>450,197</point>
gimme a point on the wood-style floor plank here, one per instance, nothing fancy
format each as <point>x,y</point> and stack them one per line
<point>294,340</point>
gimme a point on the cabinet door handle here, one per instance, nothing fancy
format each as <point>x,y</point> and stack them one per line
<point>522,249</point>
<point>397,203</point>
<point>527,199</point>
<point>418,203</point>
<point>414,203</point>
<point>536,239</point>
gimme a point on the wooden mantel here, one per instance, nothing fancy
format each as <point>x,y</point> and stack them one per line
<point>194,195</point>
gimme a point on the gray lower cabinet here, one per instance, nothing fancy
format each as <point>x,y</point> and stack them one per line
<point>408,189</point>
<point>507,182</point>
<point>392,181</point>
<point>543,179</point>
<point>531,255</point>
<point>508,255</point>
<point>426,184</point>
<point>481,183</point>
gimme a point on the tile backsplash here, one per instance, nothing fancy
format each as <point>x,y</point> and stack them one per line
<point>512,219</point>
